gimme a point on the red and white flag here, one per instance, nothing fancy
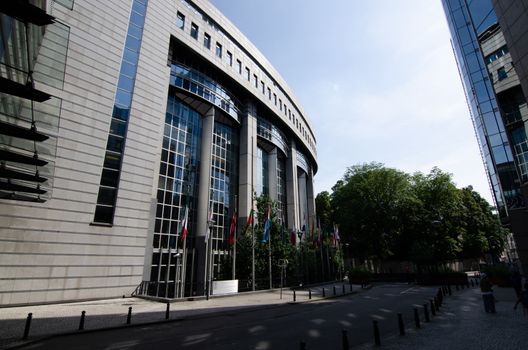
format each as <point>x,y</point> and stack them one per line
<point>184,223</point>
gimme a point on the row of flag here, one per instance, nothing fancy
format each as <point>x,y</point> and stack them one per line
<point>311,234</point>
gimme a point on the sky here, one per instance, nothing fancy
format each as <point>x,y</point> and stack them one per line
<point>377,79</point>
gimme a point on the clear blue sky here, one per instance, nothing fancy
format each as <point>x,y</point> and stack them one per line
<point>377,79</point>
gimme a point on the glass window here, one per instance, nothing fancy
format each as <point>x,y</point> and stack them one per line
<point>219,50</point>
<point>239,67</point>
<point>269,93</point>
<point>255,80</point>
<point>275,98</point>
<point>104,214</point>
<point>106,196</point>
<point>502,74</point>
<point>180,20</point>
<point>207,40</point>
<point>194,30</point>
<point>263,87</point>
<point>248,74</point>
<point>229,58</point>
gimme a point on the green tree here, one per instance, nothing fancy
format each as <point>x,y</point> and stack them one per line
<point>323,208</point>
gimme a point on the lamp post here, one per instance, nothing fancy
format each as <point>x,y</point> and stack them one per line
<point>301,272</point>
<point>209,264</point>
<point>282,264</point>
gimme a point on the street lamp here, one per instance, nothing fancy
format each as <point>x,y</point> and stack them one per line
<point>301,272</point>
<point>282,264</point>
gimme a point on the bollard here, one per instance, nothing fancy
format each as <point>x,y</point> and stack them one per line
<point>401,325</point>
<point>426,313</point>
<point>309,294</point>
<point>129,317</point>
<point>324,293</point>
<point>433,309</point>
<point>334,290</point>
<point>472,283</point>
<point>449,289</point>
<point>294,296</point>
<point>302,345</point>
<point>81,322</point>
<point>28,325</point>
<point>436,304</point>
<point>456,286</point>
<point>377,339</point>
<point>343,289</point>
<point>350,287</point>
<point>345,339</point>
<point>167,311</point>
<point>416,318</point>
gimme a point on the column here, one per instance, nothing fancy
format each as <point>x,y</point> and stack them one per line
<point>310,198</point>
<point>272,174</point>
<point>292,192</point>
<point>303,214</point>
<point>204,190</point>
<point>247,161</point>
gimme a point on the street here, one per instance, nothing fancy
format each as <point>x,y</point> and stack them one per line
<point>318,323</point>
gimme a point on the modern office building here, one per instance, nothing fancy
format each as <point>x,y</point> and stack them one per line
<point>490,42</point>
<point>121,122</point>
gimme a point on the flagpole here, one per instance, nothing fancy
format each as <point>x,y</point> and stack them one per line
<point>233,274</point>
<point>269,254</point>
<point>253,220</point>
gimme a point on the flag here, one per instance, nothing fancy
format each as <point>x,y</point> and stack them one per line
<point>250,220</point>
<point>184,223</point>
<point>293,236</point>
<point>232,229</point>
<point>209,221</point>
<point>267,226</point>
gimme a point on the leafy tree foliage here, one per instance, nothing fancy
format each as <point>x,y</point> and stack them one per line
<point>386,213</point>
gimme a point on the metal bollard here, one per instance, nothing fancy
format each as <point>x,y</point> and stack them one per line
<point>401,325</point>
<point>377,339</point>
<point>302,345</point>
<point>294,296</point>
<point>416,318</point>
<point>81,322</point>
<point>345,339</point>
<point>433,309</point>
<point>324,295</point>
<point>167,312</point>
<point>309,294</point>
<point>437,303</point>
<point>426,313</point>
<point>28,325</point>
<point>129,317</point>
<point>334,290</point>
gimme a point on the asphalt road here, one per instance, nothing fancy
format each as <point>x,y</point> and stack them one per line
<point>317,323</point>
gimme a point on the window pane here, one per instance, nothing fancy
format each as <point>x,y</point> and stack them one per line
<point>118,127</point>
<point>104,214</point>
<point>112,160</point>
<point>115,144</point>
<point>106,196</point>
<point>109,178</point>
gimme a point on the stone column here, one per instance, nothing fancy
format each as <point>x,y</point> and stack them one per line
<point>247,161</point>
<point>204,190</point>
<point>292,191</point>
<point>272,174</point>
<point>303,214</point>
<point>310,198</point>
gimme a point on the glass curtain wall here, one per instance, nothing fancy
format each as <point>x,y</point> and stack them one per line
<point>177,190</point>
<point>224,188</point>
<point>281,189</point>
<point>465,21</point>
<point>262,178</point>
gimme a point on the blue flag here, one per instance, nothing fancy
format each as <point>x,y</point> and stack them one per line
<point>267,226</point>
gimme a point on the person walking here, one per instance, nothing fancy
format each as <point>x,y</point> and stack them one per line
<point>487,293</point>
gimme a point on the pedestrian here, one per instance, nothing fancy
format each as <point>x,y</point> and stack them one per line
<point>523,299</point>
<point>487,293</point>
<point>516,281</point>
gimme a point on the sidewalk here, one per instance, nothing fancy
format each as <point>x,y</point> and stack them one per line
<point>100,314</point>
<point>463,324</point>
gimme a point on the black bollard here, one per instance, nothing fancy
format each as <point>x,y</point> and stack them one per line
<point>426,313</point>
<point>28,325</point>
<point>472,283</point>
<point>401,325</point>
<point>449,290</point>
<point>377,339</point>
<point>416,318</point>
<point>167,311</point>
<point>309,294</point>
<point>436,304</point>
<point>335,291</point>
<point>81,322</point>
<point>129,316</point>
<point>433,309</point>
<point>345,339</point>
<point>350,287</point>
<point>294,296</point>
<point>302,345</point>
<point>324,295</point>
<point>343,289</point>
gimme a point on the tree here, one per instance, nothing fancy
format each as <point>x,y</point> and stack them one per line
<point>323,208</point>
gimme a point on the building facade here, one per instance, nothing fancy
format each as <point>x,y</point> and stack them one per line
<point>151,116</point>
<point>489,41</point>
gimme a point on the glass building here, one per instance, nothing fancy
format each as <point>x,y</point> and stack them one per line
<point>170,121</point>
<point>498,107</point>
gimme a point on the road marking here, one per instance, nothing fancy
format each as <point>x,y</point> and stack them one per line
<point>405,291</point>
